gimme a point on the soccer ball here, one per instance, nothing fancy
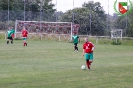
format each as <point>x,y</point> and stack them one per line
<point>83,67</point>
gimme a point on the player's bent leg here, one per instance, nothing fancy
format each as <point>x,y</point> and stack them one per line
<point>11,40</point>
<point>90,58</point>
<point>87,60</point>
<point>24,41</point>
<point>87,63</point>
<point>90,61</point>
<point>77,47</point>
<point>8,39</point>
<point>74,46</point>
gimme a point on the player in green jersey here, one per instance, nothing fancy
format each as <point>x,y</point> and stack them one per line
<point>9,36</point>
<point>76,40</point>
<point>13,32</point>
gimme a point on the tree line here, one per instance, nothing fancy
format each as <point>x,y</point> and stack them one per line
<point>91,16</point>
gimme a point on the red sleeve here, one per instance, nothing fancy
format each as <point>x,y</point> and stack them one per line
<point>92,44</point>
<point>26,32</point>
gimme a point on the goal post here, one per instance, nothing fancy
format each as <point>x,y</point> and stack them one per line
<point>43,27</point>
<point>116,34</point>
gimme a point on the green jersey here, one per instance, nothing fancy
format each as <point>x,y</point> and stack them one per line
<point>13,31</point>
<point>75,38</point>
<point>9,33</point>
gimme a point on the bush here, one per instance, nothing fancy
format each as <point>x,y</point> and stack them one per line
<point>116,42</point>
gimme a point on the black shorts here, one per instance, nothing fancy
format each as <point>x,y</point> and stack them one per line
<point>75,44</point>
<point>9,38</point>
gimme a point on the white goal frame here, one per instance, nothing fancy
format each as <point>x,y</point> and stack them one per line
<point>44,27</point>
<point>116,33</point>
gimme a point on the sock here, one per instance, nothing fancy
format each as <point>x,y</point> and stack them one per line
<point>7,42</point>
<point>12,42</point>
<point>26,44</point>
<point>88,64</point>
<point>74,48</point>
<point>77,48</point>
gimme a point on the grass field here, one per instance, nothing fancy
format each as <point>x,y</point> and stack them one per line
<point>50,64</point>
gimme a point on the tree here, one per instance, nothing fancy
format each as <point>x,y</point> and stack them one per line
<point>32,9</point>
<point>4,4</point>
<point>90,13</point>
<point>95,7</point>
<point>126,23</point>
<point>130,28</point>
<point>32,5</point>
<point>120,22</point>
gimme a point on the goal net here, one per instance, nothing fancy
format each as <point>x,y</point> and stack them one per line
<point>42,29</point>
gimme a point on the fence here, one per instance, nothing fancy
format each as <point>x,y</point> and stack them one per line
<point>89,25</point>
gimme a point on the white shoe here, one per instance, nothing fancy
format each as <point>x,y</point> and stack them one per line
<point>76,50</point>
<point>88,69</point>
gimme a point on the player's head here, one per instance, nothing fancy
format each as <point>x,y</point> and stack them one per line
<point>86,39</point>
<point>74,33</point>
<point>11,27</point>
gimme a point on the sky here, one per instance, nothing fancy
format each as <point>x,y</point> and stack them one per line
<point>64,5</point>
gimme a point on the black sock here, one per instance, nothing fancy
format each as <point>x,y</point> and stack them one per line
<point>12,42</point>
<point>77,48</point>
<point>74,48</point>
<point>7,42</point>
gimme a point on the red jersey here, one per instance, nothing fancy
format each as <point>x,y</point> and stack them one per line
<point>24,33</point>
<point>88,47</point>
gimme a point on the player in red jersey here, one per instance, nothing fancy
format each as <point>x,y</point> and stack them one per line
<point>24,35</point>
<point>88,48</point>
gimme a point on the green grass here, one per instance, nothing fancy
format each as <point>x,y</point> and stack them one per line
<point>47,64</point>
<point>2,36</point>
